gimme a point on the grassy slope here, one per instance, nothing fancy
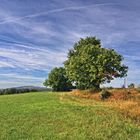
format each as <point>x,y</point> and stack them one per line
<point>57,116</point>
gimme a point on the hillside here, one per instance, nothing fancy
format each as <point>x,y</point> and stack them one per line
<point>63,116</point>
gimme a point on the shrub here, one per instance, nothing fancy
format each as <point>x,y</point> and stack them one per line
<point>111,87</point>
<point>104,94</point>
<point>138,88</point>
<point>132,85</point>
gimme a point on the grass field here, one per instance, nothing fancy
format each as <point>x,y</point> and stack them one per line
<point>61,116</point>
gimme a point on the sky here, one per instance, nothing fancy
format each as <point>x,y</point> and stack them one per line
<point>35,35</point>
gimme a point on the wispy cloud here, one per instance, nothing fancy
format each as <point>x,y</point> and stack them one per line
<point>32,59</point>
<point>17,76</point>
<point>13,19</point>
<point>36,36</point>
<point>5,64</point>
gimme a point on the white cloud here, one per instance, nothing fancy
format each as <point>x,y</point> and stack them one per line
<point>34,59</point>
<point>15,19</point>
<point>6,64</point>
<point>40,40</point>
<point>18,76</point>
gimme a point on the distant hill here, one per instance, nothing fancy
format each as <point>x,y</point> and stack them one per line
<point>23,89</point>
<point>32,87</point>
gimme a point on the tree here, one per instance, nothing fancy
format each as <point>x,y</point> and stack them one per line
<point>132,85</point>
<point>58,80</point>
<point>10,91</point>
<point>88,64</point>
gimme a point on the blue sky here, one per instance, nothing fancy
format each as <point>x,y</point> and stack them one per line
<point>35,35</point>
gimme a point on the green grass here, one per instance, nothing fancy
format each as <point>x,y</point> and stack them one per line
<point>57,116</point>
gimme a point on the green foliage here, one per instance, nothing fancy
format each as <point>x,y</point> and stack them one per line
<point>89,65</point>
<point>132,85</point>
<point>104,94</point>
<point>16,91</point>
<point>58,80</point>
<point>8,91</point>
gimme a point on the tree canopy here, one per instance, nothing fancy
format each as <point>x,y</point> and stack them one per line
<point>132,85</point>
<point>58,80</point>
<point>88,64</point>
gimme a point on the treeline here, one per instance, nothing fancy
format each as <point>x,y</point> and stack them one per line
<point>15,91</point>
<point>21,90</point>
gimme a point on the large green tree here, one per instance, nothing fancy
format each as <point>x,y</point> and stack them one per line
<point>88,64</point>
<point>58,80</point>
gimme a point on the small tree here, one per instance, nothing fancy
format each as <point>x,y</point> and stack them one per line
<point>132,85</point>
<point>58,80</point>
<point>89,65</point>
<point>138,88</point>
<point>10,91</point>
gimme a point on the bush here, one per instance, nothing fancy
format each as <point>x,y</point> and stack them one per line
<point>132,85</point>
<point>138,88</point>
<point>104,94</point>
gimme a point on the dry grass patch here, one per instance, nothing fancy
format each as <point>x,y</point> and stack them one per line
<point>126,100</point>
<point>89,94</point>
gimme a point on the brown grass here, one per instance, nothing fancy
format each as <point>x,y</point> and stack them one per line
<point>86,94</point>
<point>126,100</point>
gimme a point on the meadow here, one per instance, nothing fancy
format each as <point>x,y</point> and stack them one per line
<point>63,116</point>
